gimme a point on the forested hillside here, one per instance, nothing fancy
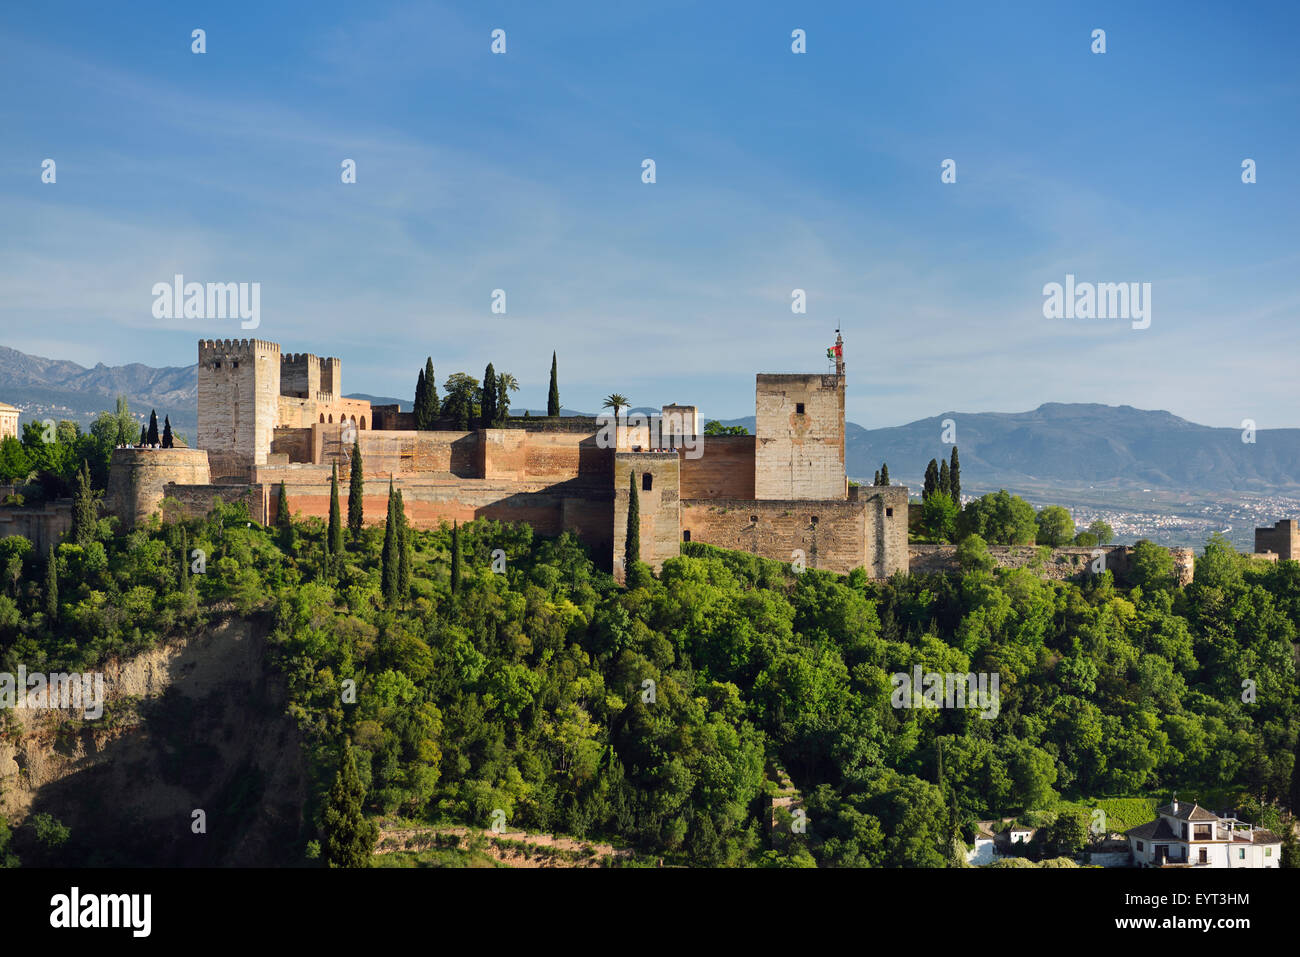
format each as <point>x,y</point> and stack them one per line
<point>651,715</point>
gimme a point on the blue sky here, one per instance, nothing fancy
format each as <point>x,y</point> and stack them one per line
<point>775,171</point>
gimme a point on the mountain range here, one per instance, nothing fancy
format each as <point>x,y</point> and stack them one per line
<point>1074,445</point>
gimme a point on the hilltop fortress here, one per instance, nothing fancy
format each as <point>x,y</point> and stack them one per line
<point>265,417</point>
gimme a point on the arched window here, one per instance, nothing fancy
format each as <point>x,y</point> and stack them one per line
<point>647,481</point>
<point>322,418</point>
<point>353,420</point>
<point>331,418</point>
<point>363,421</point>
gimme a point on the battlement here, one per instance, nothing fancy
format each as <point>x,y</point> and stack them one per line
<point>211,348</point>
<point>308,376</point>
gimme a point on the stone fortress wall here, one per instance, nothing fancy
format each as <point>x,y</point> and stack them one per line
<point>267,418</point>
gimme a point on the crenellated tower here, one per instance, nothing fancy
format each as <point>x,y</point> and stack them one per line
<point>239,394</point>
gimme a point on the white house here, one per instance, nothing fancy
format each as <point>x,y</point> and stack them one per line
<point>982,853</point>
<point>1187,835</point>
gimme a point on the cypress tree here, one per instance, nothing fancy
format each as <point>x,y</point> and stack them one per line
<point>553,397</point>
<point>356,488</point>
<point>403,550</point>
<point>348,839</point>
<point>876,479</point>
<point>633,529</point>
<point>1295,781</point>
<point>945,478</point>
<point>84,518</point>
<point>430,394</point>
<point>488,402</point>
<point>334,540</point>
<point>954,477</point>
<point>51,587</point>
<point>168,440</point>
<point>388,558</point>
<point>153,427</point>
<point>420,410</point>
<point>455,558</point>
<point>283,520</point>
<point>884,473</point>
<point>931,479</point>
<point>144,435</point>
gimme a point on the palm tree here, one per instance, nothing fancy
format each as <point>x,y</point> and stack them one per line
<point>615,402</point>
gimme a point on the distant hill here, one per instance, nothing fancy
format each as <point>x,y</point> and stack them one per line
<point>1056,445</point>
<point>59,389</point>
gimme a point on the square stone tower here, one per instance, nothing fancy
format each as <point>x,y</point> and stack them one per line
<point>239,396</point>
<point>799,437</point>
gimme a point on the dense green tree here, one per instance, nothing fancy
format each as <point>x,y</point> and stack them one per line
<point>973,554</point>
<point>999,518</point>
<point>1151,567</point>
<point>939,516</point>
<point>884,473</point>
<point>714,427</point>
<point>154,438</point>
<point>420,407</point>
<point>945,480</point>
<point>1102,532</point>
<point>459,402</point>
<point>876,478</point>
<point>144,435</point>
<point>347,838</point>
<point>168,438</point>
<point>553,394</point>
<point>1055,526</point>
<point>954,477</point>
<point>356,491</point>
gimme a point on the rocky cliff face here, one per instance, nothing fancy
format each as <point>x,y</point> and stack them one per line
<point>196,724</point>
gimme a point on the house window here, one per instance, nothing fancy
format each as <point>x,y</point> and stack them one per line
<point>889,513</point>
<point>1268,852</point>
<point>1205,856</point>
<point>798,408</point>
<point>647,481</point>
<point>1139,845</point>
<point>1241,853</point>
<point>686,534</point>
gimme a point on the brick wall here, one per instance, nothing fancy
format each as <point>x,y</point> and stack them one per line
<point>137,477</point>
<point>1283,538</point>
<point>724,470</point>
<point>835,541</point>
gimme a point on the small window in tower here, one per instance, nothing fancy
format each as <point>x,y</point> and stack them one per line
<point>798,408</point>
<point>889,513</point>
<point>647,481</point>
<point>753,520</point>
<point>814,519</point>
<point>236,363</point>
<point>686,534</point>
<point>217,364</point>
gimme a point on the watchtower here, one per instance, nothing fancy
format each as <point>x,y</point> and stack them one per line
<point>799,434</point>
<point>239,393</point>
